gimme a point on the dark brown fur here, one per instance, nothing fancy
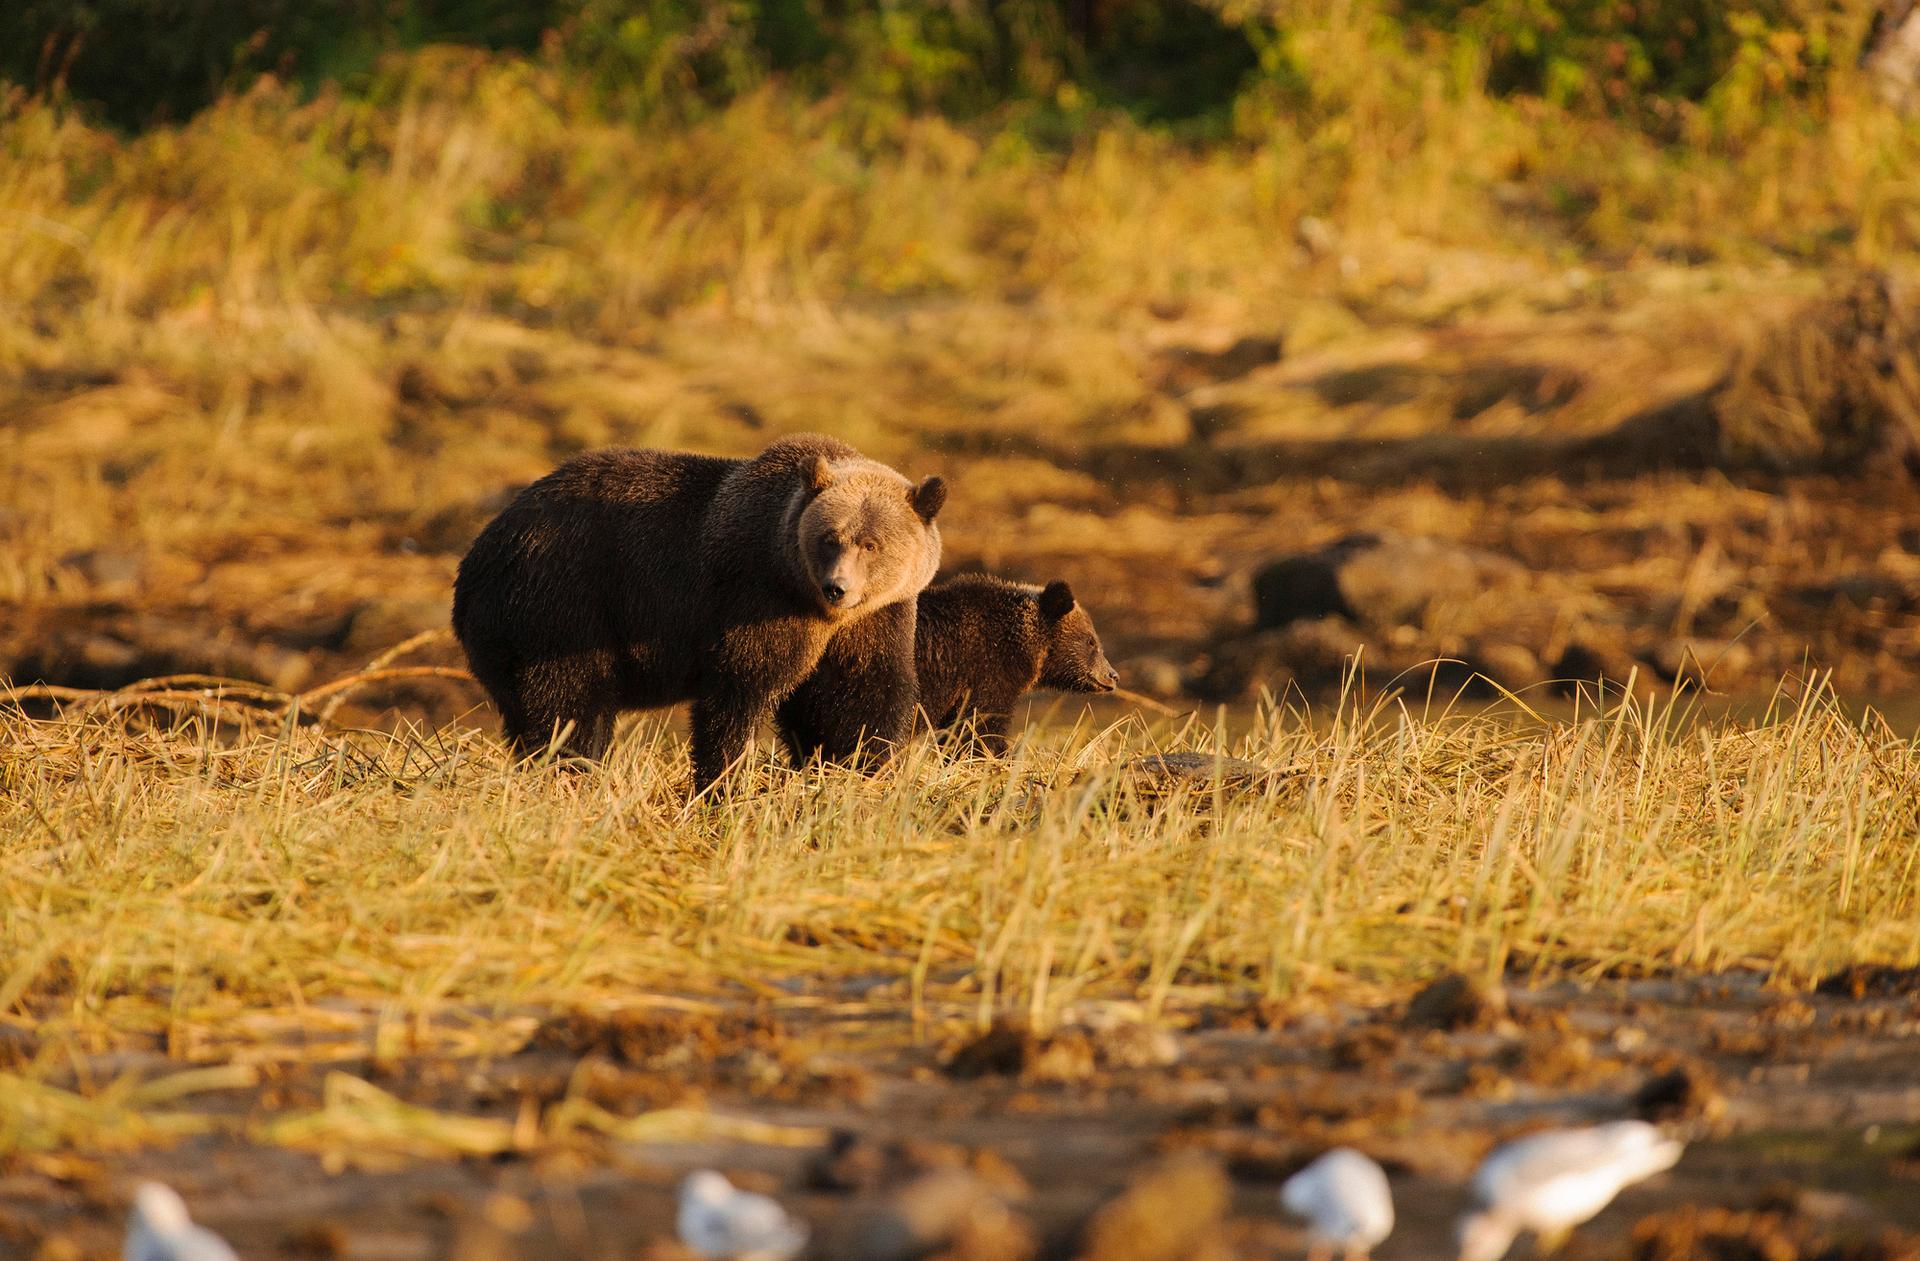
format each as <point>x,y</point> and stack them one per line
<point>638,579</point>
<point>981,643</point>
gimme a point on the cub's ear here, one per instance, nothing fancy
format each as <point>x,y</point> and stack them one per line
<point>1056,600</point>
<point>820,476</point>
<point>928,497</point>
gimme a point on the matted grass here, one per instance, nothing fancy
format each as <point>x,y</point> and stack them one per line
<point>157,884</point>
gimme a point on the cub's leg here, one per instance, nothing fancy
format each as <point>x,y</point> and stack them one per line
<point>982,724</point>
<point>857,707</point>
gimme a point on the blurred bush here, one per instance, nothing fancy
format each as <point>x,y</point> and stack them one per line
<point>1163,61</point>
<point>143,61</point>
<point>1641,56</point>
<point>148,61</point>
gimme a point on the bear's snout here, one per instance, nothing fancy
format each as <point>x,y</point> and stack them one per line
<point>1105,677</point>
<point>842,586</point>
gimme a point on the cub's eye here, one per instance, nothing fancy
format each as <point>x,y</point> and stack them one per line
<point>868,545</point>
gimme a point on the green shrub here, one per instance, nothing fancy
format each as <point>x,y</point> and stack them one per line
<point>1640,57</point>
<point>142,61</point>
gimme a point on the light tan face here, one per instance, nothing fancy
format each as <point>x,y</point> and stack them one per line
<point>1075,661</point>
<point>868,539</point>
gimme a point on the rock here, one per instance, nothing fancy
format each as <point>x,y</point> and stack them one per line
<point>1376,581</point>
<point>452,530</point>
<point>1155,676</point>
<point>381,623</point>
<point>1454,1001</point>
<point>1510,665</point>
<point>1170,1212</point>
<point>1314,655</point>
<point>1189,769</point>
<point>949,1212</point>
<point>1317,657</point>
<point>1135,1044</point>
<point>110,647</point>
<point>1893,57</point>
<point>112,573</point>
<point>104,657</point>
<point>1685,1093</point>
<point>1598,670</point>
<point>1152,420</point>
<point>851,1162</point>
<point>18,1047</point>
<point>1706,664</point>
<point>1010,1050</point>
<point>1870,980</point>
<point>1183,368</point>
<point>1365,1047</point>
<point>858,1162</point>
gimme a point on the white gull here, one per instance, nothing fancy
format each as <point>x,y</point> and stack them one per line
<point>1551,1182</point>
<point>159,1229</point>
<point>1344,1197</point>
<point>720,1221</point>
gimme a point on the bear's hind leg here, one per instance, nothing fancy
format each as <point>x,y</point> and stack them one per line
<point>559,696</point>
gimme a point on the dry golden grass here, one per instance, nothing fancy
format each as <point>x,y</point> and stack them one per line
<point>163,887</point>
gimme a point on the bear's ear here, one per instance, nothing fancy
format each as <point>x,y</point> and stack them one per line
<point>1056,600</point>
<point>819,476</point>
<point>928,497</point>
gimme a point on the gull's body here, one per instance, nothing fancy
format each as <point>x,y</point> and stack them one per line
<point>1344,1197</point>
<point>722,1222</point>
<point>1551,1182</point>
<point>158,1229</point>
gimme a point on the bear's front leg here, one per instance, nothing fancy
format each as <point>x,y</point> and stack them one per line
<point>723,727</point>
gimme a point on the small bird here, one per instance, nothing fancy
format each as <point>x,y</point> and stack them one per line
<point>158,1229</point>
<point>1344,1197</point>
<point>720,1221</point>
<point>1551,1182</point>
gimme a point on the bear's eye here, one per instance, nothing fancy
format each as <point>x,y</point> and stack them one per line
<point>868,545</point>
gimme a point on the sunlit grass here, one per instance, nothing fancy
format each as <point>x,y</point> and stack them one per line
<point>157,882</point>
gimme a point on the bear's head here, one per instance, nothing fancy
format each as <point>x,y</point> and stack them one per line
<point>866,535</point>
<point>1074,660</point>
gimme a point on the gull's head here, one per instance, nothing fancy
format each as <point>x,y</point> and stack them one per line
<point>160,1209</point>
<point>1483,1236</point>
<point>704,1186</point>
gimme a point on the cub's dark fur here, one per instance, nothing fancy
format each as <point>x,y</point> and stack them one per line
<point>981,643</point>
<point>637,579</point>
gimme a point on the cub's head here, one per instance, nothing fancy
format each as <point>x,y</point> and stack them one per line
<point>866,535</point>
<point>1075,661</point>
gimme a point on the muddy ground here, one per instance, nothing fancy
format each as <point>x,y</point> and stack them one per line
<point>1803,1111</point>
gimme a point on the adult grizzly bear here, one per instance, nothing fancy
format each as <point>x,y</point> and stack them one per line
<point>980,644</point>
<point>637,579</point>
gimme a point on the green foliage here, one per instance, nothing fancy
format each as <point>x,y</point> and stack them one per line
<point>1639,57</point>
<point>142,61</point>
<point>145,61</point>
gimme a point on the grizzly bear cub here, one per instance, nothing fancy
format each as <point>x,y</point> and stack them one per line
<point>981,643</point>
<point>638,579</point>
